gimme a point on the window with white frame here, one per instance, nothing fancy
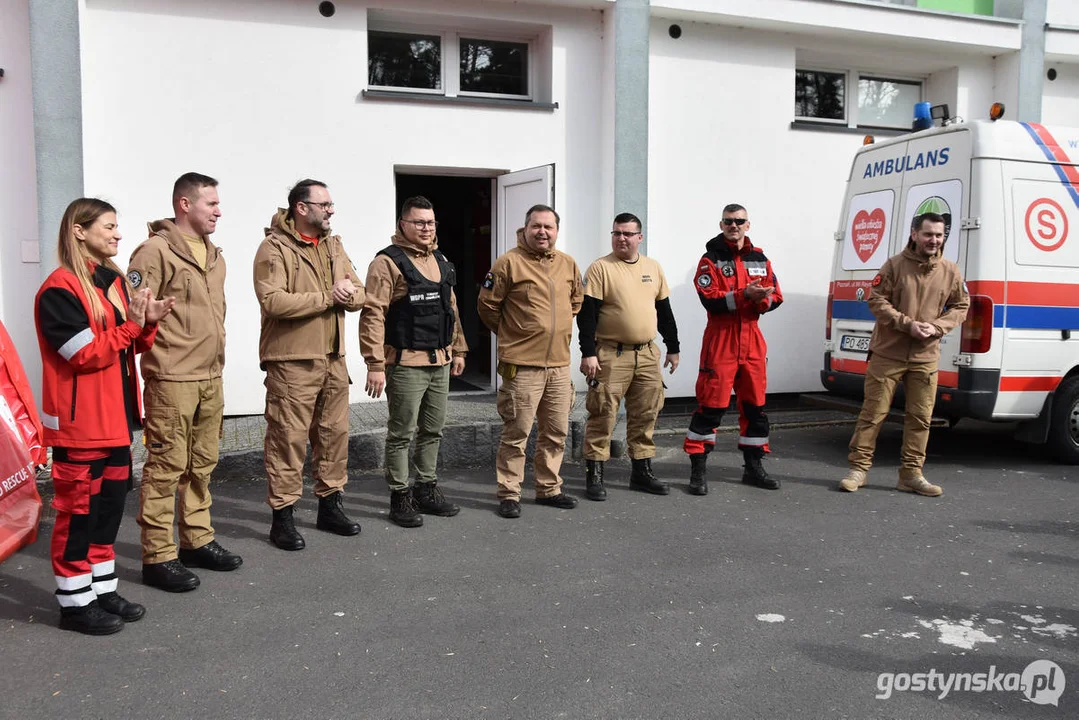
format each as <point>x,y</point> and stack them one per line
<point>450,62</point>
<point>855,99</point>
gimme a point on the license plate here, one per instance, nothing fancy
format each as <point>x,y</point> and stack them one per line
<point>854,343</point>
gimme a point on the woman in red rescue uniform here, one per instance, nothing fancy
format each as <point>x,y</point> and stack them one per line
<point>89,330</point>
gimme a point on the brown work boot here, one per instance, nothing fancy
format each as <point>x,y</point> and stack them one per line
<point>854,480</point>
<point>920,485</point>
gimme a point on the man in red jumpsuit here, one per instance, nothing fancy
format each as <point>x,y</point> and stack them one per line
<point>736,285</point>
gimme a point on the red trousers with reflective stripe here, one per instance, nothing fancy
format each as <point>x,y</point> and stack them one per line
<point>748,380</point>
<point>90,486</point>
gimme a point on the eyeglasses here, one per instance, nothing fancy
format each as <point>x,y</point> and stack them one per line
<point>735,221</point>
<point>421,224</point>
<point>324,206</point>
<point>624,233</point>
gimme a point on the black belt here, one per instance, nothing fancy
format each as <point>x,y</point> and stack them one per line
<point>619,347</point>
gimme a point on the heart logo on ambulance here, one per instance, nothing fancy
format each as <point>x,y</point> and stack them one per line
<point>867,232</point>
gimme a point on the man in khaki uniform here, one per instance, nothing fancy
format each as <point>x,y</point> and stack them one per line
<point>918,297</point>
<point>626,300</point>
<point>411,340</point>
<point>304,281</point>
<point>183,396</point>
<point>529,300</point>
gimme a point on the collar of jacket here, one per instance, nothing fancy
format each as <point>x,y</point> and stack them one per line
<point>720,241</point>
<point>414,248</point>
<point>926,265</point>
<point>523,244</point>
<point>102,275</point>
<point>281,224</point>
<point>166,228</point>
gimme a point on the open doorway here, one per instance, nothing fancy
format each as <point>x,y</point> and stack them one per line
<point>463,206</point>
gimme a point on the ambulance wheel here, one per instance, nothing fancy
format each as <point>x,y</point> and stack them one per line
<point>1063,437</point>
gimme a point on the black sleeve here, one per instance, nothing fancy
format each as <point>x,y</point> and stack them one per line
<point>667,326</point>
<point>587,319</point>
<point>63,320</point>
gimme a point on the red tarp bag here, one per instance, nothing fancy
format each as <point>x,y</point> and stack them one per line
<point>21,450</point>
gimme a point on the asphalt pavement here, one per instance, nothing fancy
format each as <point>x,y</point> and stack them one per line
<point>805,602</point>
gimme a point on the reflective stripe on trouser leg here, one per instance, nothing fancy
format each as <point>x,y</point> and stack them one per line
<point>881,377</point>
<point>644,400</point>
<point>701,437</point>
<point>552,426</point>
<point>920,388</point>
<point>89,491</point>
<point>750,384</point>
<point>329,430</point>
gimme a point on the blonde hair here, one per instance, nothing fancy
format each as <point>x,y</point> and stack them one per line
<point>73,255</point>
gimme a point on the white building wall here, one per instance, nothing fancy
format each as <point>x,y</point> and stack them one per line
<point>262,94</point>
<point>19,269</point>
<point>1060,97</point>
<point>1062,12</point>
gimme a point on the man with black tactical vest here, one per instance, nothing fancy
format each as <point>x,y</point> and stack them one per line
<point>304,284</point>
<point>184,399</point>
<point>529,300</point>
<point>626,300</point>
<point>411,340</point>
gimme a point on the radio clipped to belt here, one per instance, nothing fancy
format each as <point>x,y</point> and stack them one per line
<point>508,371</point>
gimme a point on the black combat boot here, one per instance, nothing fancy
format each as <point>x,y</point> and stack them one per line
<point>754,473</point>
<point>332,518</point>
<point>283,531</point>
<point>403,509</point>
<point>90,619</point>
<point>698,484</point>
<point>429,500</point>
<point>593,480</point>
<point>643,479</point>
<point>170,576</point>
<point>114,603</point>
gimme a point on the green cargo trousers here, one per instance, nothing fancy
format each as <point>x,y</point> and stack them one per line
<point>416,403</point>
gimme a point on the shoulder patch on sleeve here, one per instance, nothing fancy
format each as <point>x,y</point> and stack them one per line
<point>704,280</point>
<point>135,277</point>
<point>489,281</point>
<point>876,280</point>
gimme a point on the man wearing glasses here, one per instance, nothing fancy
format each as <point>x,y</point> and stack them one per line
<point>626,299</point>
<point>411,340</point>
<point>304,281</point>
<point>528,301</point>
<point>736,285</point>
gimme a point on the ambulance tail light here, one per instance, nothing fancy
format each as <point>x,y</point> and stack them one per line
<point>978,327</point>
<point>828,318</point>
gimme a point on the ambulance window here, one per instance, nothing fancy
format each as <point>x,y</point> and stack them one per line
<point>1045,216</point>
<point>869,225</point>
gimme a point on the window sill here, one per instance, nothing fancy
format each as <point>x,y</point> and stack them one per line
<point>444,100</point>
<point>844,129</point>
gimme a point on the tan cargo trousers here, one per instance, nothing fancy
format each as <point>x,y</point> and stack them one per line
<point>920,386</point>
<point>637,376</point>
<point>182,435</point>
<point>546,396</point>
<point>305,400</point>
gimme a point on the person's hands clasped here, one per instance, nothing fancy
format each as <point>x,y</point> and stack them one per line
<point>376,383</point>
<point>343,290</point>
<point>922,330</point>
<point>756,293</point>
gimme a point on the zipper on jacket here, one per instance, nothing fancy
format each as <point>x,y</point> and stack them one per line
<point>187,304</point>
<point>554,315</point>
<point>74,394</point>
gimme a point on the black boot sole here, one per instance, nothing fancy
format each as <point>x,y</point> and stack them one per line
<point>407,522</point>
<point>85,630</point>
<point>764,485</point>
<point>192,561</point>
<point>439,513</point>
<point>343,530</point>
<point>651,490</point>
<point>597,497</point>
<point>186,587</point>
<point>290,547</point>
<point>700,490</point>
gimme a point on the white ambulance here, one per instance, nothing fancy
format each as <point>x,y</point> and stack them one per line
<point>1010,194</point>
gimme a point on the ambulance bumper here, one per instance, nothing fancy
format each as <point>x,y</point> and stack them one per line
<point>974,398</point>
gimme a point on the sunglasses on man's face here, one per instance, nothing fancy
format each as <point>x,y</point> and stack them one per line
<point>735,221</point>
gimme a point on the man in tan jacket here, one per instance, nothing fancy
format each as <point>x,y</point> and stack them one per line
<point>304,282</point>
<point>529,300</point>
<point>411,340</point>
<point>183,396</point>
<point>918,297</point>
